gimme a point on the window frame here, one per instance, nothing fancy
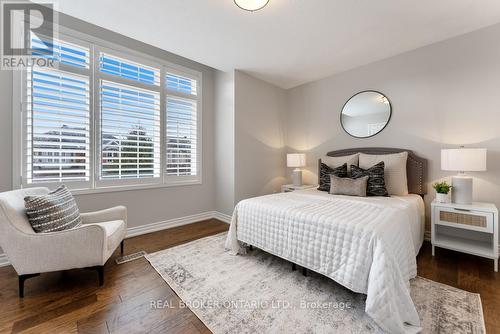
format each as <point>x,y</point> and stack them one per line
<point>193,179</point>
<point>95,185</point>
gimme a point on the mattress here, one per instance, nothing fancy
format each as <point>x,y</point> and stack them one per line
<point>366,244</point>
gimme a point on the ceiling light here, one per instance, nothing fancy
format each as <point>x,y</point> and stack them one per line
<point>251,5</point>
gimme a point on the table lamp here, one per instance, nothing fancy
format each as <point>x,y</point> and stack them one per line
<point>463,160</point>
<point>296,160</point>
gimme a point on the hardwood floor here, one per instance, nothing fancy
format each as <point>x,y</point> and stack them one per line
<point>72,302</point>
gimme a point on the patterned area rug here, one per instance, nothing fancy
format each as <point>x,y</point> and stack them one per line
<point>259,293</point>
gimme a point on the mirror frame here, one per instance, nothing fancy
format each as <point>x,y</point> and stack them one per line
<point>366,91</point>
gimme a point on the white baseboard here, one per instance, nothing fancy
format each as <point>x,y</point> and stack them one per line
<point>4,261</point>
<point>155,227</point>
<point>222,217</point>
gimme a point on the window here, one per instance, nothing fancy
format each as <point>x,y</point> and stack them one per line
<point>130,132</point>
<point>105,118</point>
<point>182,130</point>
<point>57,136</point>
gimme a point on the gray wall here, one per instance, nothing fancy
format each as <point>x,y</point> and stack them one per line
<point>260,138</point>
<point>249,138</point>
<point>145,206</point>
<point>224,142</point>
<point>443,95</point>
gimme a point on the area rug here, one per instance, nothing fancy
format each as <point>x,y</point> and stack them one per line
<point>259,293</point>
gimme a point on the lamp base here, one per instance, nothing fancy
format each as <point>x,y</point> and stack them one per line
<point>297,177</point>
<point>461,193</point>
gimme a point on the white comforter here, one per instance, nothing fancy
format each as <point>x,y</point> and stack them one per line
<point>365,244</point>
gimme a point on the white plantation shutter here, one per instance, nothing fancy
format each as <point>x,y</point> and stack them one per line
<point>106,118</point>
<point>57,105</point>
<point>182,126</point>
<point>128,69</point>
<point>63,52</point>
<point>130,132</point>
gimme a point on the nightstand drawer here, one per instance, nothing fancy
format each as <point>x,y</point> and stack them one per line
<point>465,219</point>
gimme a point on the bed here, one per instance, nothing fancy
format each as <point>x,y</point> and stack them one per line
<point>367,244</point>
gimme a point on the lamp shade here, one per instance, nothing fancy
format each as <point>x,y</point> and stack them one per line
<point>464,159</point>
<point>296,160</point>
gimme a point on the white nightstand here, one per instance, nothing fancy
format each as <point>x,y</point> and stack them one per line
<point>286,188</point>
<point>471,229</point>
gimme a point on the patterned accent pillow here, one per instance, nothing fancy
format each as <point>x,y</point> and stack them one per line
<point>376,180</point>
<point>324,175</point>
<point>56,211</point>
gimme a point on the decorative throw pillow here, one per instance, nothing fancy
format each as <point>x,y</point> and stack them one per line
<point>56,211</point>
<point>347,186</point>
<point>376,181</point>
<point>396,179</point>
<point>334,162</point>
<point>325,172</point>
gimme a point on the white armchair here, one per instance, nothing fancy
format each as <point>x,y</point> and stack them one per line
<point>30,253</point>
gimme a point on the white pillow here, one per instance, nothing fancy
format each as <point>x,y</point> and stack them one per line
<point>334,162</point>
<point>396,180</point>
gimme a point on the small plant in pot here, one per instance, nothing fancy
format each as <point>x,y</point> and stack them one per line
<point>442,190</point>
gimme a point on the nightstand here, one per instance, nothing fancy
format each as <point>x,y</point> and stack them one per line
<point>290,187</point>
<point>471,229</point>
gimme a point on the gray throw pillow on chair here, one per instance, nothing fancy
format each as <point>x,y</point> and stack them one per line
<point>56,211</point>
<point>347,186</point>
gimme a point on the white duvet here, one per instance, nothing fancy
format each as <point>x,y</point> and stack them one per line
<point>366,244</point>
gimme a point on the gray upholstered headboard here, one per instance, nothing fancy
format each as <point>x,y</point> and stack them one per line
<point>416,167</point>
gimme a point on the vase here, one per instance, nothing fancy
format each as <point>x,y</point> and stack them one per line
<point>442,198</point>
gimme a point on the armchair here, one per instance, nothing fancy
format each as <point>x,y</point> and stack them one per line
<point>30,253</point>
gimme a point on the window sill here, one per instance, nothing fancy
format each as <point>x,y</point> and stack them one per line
<point>112,189</point>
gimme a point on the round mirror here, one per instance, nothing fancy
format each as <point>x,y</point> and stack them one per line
<point>366,114</point>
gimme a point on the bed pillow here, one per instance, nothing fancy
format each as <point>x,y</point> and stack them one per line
<point>55,211</point>
<point>325,172</point>
<point>376,182</point>
<point>396,179</point>
<point>334,162</point>
<point>348,186</point>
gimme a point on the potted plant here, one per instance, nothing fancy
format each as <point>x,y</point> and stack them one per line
<point>442,190</point>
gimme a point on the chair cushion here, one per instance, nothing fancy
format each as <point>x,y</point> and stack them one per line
<point>55,211</point>
<point>115,231</point>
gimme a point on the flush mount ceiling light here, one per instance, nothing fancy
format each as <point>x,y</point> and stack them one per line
<point>251,5</point>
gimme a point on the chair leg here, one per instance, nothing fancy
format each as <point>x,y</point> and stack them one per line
<point>122,246</point>
<point>22,279</point>
<point>100,272</point>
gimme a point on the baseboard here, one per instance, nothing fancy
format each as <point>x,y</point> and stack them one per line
<point>4,261</point>
<point>158,226</point>
<point>222,217</point>
<point>155,227</point>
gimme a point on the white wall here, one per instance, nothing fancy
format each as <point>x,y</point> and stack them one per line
<point>259,137</point>
<point>224,142</point>
<point>443,95</point>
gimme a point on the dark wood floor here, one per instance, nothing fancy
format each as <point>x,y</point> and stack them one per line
<point>71,301</point>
